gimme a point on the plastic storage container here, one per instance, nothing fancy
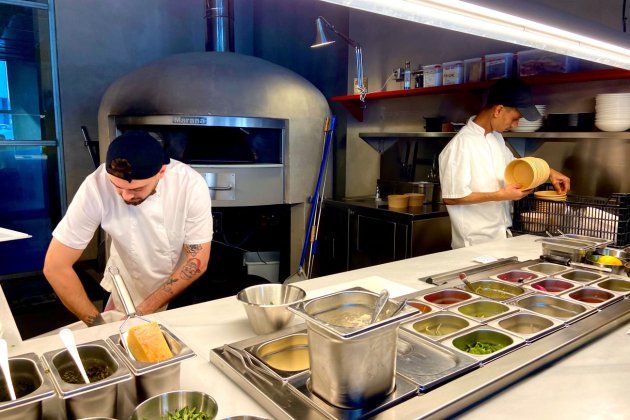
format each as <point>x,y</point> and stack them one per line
<point>452,72</point>
<point>473,69</point>
<point>432,75</point>
<point>498,66</point>
<point>533,62</point>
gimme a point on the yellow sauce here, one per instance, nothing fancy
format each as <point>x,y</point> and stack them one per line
<point>290,360</point>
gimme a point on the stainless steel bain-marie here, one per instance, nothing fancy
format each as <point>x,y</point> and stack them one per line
<point>352,362</point>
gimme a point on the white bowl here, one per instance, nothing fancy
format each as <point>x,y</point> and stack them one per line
<point>612,126</point>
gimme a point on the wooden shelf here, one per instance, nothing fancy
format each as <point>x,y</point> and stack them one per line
<point>356,107</point>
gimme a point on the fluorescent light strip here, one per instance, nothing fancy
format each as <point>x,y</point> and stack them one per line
<point>476,20</point>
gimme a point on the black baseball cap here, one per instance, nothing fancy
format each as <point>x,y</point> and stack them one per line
<point>141,156</point>
<point>516,94</point>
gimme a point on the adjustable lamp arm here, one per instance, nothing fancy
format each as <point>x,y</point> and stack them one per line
<point>357,52</point>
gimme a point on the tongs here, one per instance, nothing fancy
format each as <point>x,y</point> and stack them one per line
<point>128,305</point>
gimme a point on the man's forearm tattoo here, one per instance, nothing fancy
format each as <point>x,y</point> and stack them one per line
<point>167,286</point>
<point>192,250</point>
<point>191,268</point>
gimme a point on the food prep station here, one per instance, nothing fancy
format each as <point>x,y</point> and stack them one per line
<point>529,313</point>
<point>434,376</point>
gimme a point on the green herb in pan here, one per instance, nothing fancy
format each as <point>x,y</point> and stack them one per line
<point>480,347</point>
<point>187,414</point>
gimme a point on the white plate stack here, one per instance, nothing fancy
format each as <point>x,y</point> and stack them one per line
<point>612,111</point>
<point>525,126</point>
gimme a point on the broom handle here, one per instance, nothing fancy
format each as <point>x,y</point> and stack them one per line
<point>314,199</point>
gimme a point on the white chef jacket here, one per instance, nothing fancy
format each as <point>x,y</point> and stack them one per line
<point>475,162</point>
<point>146,240</point>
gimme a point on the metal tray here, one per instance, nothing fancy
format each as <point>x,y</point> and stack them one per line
<point>547,268</point>
<point>488,334</point>
<point>497,290</point>
<point>581,276</point>
<point>527,325</point>
<point>552,286</point>
<point>591,296</point>
<point>554,307</point>
<point>429,364</point>
<point>446,297</point>
<point>426,326</point>
<point>517,277</point>
<point>483,310</point>
<point>616,285</point>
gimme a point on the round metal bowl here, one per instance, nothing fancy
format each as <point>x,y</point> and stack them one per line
<point>161,405</point>
<point>266,305</point>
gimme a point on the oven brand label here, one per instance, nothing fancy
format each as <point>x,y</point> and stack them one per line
<point>190,120</point>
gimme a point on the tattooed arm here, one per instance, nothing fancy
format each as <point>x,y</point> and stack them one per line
<point>194,265</point>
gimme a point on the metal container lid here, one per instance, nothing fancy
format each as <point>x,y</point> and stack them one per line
<point>318,310</point>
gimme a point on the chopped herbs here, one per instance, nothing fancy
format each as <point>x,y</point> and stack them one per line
<point>187,414</point>
<point>479,347</point>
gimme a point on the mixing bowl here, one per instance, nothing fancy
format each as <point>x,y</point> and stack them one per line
<point>266,305</point>
<point>161,405</point>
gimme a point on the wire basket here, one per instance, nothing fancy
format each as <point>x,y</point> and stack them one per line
<point>607,218</point>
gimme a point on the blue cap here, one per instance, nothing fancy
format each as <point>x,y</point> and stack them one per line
<point>135,155</point>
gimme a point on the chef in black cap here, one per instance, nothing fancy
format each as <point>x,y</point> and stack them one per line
<point>157,213</point>
<point>472,167</point>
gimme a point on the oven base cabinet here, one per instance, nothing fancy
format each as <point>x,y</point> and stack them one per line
<point>350,237</point>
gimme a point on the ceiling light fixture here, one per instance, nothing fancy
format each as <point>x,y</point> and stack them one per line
<point>472,19</point>
<point>321,40</point>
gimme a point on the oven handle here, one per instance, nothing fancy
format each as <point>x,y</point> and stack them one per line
<point>227,188</point>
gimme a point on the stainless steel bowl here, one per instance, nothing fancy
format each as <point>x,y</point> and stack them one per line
<point>161,405</point>
<point>266,305</point>
<point>594,260</point>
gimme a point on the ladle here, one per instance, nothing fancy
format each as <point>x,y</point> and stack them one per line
<point>462,277</point>
<point>4,364</point>
<point>380,304</point>
<point>68,340</point>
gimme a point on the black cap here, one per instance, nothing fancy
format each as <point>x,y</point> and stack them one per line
<point>516,94</point>
<point>136,155</point>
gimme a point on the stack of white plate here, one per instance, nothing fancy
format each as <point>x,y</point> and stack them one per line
<point>525,126</point>
<point>612,111</point>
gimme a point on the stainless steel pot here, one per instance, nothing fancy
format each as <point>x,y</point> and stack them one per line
<point>352,362</point>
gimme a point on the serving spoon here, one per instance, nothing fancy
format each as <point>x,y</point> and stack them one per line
<point>68,340</point>
<point>4,365</point>
<point>380,304</point>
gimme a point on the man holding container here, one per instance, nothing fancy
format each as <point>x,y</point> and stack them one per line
<point>472,167</point>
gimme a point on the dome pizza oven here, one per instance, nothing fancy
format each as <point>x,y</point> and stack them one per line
<point>250,127</point>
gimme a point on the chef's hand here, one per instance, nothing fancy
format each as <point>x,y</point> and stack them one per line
<point>513,192</point>
<point>561,183</point>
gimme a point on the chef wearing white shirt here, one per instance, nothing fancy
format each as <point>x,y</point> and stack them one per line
<point>473,163</point>
<point>157,213</point>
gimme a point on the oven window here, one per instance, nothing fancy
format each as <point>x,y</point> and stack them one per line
<point>218,145</point>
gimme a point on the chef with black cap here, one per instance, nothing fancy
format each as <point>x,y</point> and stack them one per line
<point>157,214</point>
<point>473,163</point>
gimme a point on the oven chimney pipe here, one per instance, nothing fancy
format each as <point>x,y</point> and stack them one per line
<point>219,25</point>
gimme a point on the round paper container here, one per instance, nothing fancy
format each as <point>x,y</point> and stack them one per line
<point>397,201</point>
<point>528,172</point>
<point>415,199</point>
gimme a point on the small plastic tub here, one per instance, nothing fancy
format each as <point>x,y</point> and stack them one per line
<point>432,75</point>
<point>452,72</point>
<point>498,66</point>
